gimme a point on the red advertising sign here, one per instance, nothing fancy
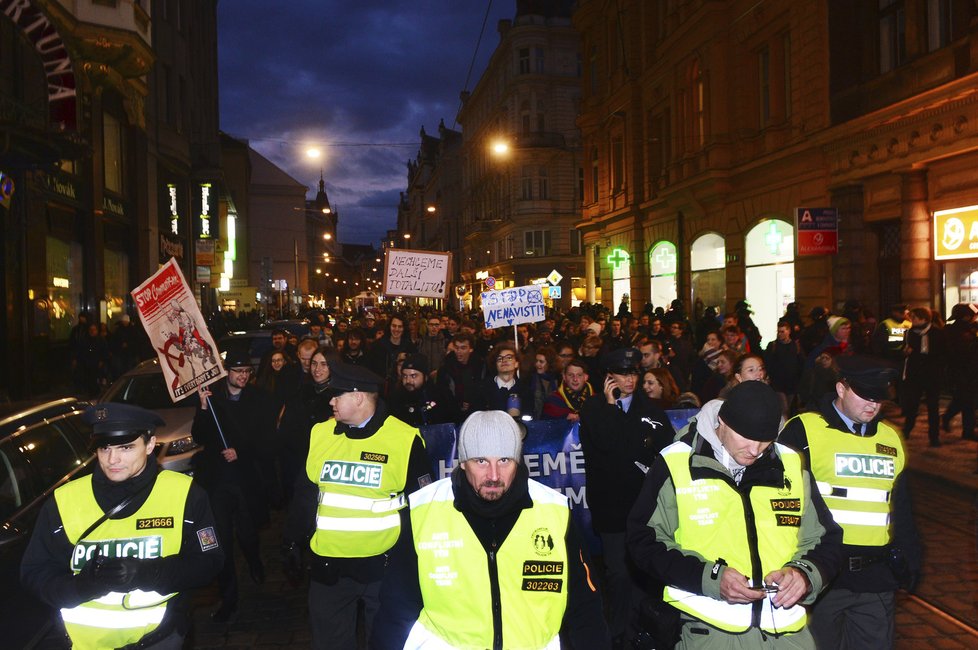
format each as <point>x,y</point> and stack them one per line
<point>818,230</point>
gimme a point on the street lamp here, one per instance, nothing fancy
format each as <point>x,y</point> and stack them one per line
<point>327,236</point>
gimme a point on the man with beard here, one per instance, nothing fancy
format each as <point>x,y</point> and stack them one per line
<point>362,463</point>
<point>418,402</point>
<point>621,433</point>
<point>74,562</point>
<point>490,557</point>
<point>565,403</point>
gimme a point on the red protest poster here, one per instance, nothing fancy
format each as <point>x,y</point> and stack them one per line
<point>178,332</point>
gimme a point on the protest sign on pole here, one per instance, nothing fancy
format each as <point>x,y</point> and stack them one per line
<point>177,331</point>
<point>416,274</point>
<point>513,306</point>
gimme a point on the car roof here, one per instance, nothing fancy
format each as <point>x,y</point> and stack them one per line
<point>19,415</point>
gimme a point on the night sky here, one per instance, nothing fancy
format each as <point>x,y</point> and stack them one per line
<point>359,78</point>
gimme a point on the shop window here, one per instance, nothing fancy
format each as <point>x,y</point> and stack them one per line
<point>55,314</point>
<point>707,265</point>
<point>116,282</point>
<point>770,273</point>
<point>619,262</point>
<point>662,266</point>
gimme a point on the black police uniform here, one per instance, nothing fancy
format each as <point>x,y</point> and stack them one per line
<point>46,566</point>
<point>619,447</point>
<point>338,584</point>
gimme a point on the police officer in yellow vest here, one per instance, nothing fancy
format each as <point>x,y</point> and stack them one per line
<point>731,522</point>
<point>350,504</point>
<point>117,550</point>
<point>889,334</point>
<point>491,558</point>
<point>859,462</point>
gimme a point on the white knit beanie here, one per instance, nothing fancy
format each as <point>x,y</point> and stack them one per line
<point>490,434</point>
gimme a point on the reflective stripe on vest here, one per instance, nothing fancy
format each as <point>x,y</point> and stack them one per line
<point>117,619</point>
<point>895,331</point>
<point>855,476</point>
<point>712,523</point>
<point>361,488</point>
<point>454,576</point>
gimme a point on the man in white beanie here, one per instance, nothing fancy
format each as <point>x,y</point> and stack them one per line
<point>491,558</point>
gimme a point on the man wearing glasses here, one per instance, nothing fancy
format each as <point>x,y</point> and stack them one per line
<point>227,468</point>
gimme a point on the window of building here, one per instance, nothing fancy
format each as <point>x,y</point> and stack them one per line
<point>786,58</point>
<point>543,184</point>
<point>576,242</point>
<point>893,35</point>
<point>938,24</point>
<point>116,282</point>
<point>526,183</point>
<point>662,268</point>
<point>697,106</point>
<point>770,273</point>
<point>524,60</point>
<point>593,69</point>
<point>594,175</point>
<point>536,242</point>
<point>525,117</point>
<point>56,316</point>
<point>619,263</point>
<point>580,185</point>
<point>617,163</point>
<point>499,251</point>
<point>539,60</point>
<point>112,152</point>
<point>707,264</point>
<point>764,79</point>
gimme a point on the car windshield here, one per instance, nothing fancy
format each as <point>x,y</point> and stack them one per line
<point>149,392</point>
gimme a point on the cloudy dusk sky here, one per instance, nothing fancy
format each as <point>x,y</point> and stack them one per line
<point>358,78</point>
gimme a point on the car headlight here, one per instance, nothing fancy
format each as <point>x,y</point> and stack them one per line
<point>181,446</point>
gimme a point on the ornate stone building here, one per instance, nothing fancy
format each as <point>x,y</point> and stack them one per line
<point>707,124</point>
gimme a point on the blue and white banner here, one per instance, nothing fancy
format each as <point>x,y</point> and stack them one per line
<point>507,307</point>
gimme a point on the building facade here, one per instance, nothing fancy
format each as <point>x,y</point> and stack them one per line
<point>707,126</point>
<point>521,159</point>
<point>107,106</point>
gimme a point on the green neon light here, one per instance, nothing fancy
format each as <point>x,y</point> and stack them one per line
<point>618,258</point>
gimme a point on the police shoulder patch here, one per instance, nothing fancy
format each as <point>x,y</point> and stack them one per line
<point>207,538</point>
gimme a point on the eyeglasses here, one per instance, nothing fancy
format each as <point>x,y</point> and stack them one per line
<point>505,357</point>
<point>244,370</point>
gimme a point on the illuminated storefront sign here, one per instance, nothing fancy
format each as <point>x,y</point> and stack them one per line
<point>171,191</point>
<point>206,221</point>
<point>956,233</point>
<point>618,258</point>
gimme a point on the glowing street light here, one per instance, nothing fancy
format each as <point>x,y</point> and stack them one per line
<point>500,147</point>
<point>314,153</point>
<point>327,236</point>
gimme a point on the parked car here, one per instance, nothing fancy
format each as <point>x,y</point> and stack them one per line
<point>145,386</point>
<point>297,326</point>
<point>41,448</point>
<point>254,343</point>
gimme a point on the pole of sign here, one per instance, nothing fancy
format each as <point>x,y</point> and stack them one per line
<point>210,407</point>
<point>516,337</point>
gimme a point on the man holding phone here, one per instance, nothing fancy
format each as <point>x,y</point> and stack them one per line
<point>622,432</point>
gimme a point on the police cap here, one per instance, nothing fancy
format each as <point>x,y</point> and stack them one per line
<point>867,377</point>
<point>346,378</point>
<point>623,361</point>
<point>117,424</point>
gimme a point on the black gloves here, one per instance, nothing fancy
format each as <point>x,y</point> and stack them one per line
<point>127,573</point>
<point>87,584</point>
<point>292,562</point>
